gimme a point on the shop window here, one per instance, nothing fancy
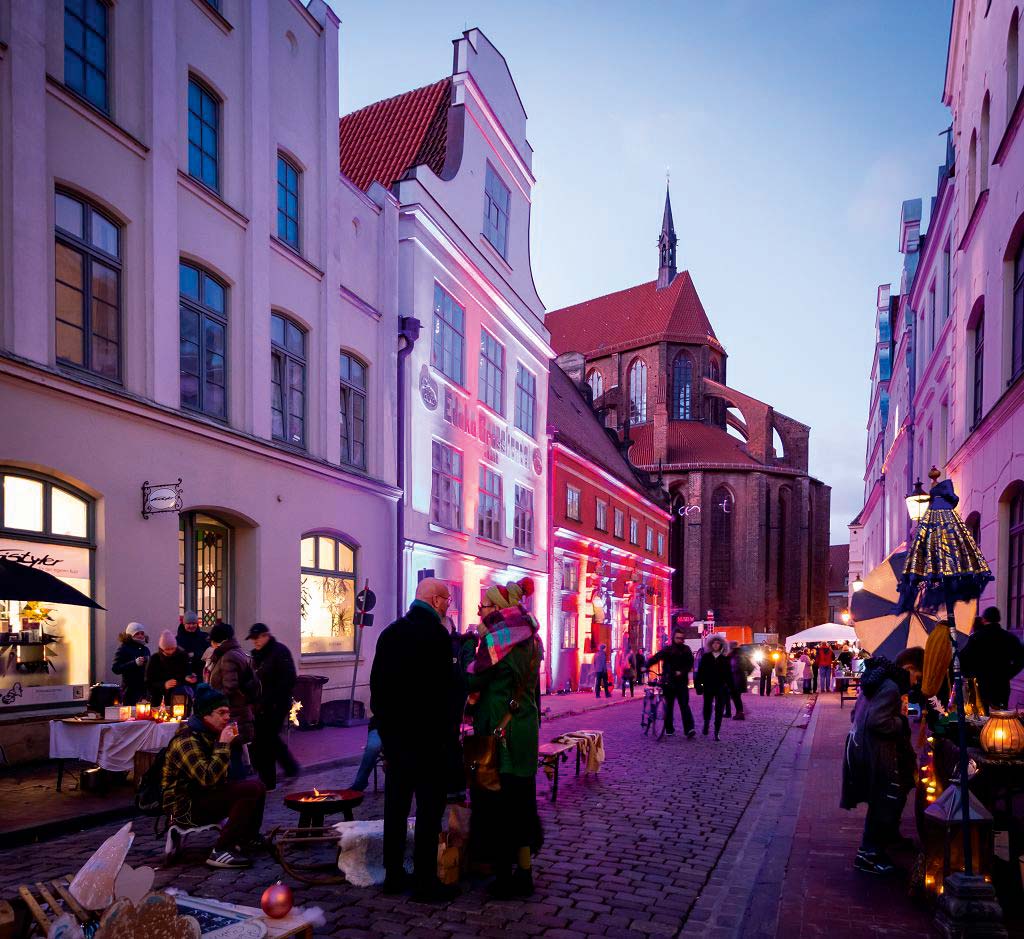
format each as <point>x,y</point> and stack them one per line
<point>45,525</point>
<point>87,272</point>
<point>204,568</point>
<point>570,631</point>
<point>496,205</point>
<point>353,411</point>
<point>203,343</point>
<point>601,515</point>
<point>203,135</point>
<point>446,486</point>
<point>492,372</point>
<point>489,515</point>
<point>447,351</point>
<point>288,202</point>
<point>288,381</point>
<point>523,520</point>
<point>638,392</point>
<point>86,27</point>
<point>572,503</point>
<point>526,399</point>
<point>327,589</point>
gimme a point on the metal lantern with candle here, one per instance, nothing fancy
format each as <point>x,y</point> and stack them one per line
<point>142,710</point>
<point>1003,734</point>
<point>178,711</point>
<point>125,712</point>
<point>943,843</point>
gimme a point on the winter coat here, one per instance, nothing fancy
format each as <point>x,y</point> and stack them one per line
<point>231,672</point>
<point>824,658</point>
<point>412,686</point>
<point>162,668</point>
<point>275,669</point>
<point>517,754</point>
<point>133,675</point>
<point>600,661</point>
<point>798,669</point>
<point>714,672</point>
<point>879,758</point>
<point>195,644</point>
<point>993,656</point>
<point>677,663</point>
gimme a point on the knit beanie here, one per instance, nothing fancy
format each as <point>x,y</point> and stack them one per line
<point>221,632</point>
<point>511,594</point>
<point>207,699</point>
<point>133,628</point>
<point>167,640</point>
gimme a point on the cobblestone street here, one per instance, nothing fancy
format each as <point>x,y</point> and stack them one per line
<point>668,835</point>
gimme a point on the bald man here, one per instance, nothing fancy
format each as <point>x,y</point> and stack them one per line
<point>412,687</point>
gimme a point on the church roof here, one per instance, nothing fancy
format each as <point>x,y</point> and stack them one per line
<point>628,319</point>
<point>689,443</point>
<point>381,142</point>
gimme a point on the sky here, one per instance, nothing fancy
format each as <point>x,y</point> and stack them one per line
<point>792,131</point>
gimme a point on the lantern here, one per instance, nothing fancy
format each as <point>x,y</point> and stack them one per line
<point>1003,734</point>
<point>142,710</point>
<point>179,711</point>
<point>943,840</point>
<point>125,712</point>
<point>917,503</point>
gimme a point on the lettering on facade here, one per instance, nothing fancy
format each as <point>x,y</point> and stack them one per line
<point>28,558</point>
<point>496,438</point>
<point>428,389</point>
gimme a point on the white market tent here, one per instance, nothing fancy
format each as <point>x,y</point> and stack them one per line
<point>826,632</point>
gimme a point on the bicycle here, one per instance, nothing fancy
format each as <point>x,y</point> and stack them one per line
<point>652,716</point>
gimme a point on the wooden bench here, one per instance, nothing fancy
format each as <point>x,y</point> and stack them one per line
<point>549,755</point>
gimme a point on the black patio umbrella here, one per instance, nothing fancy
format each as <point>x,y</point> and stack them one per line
<point>21,582</point>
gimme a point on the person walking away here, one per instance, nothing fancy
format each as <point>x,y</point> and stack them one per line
<point>676,664</point>
<point>231,673</point>
<point>992,656</point>
<point>626,673</point>
<point>824,661</point>
<point>503,678</point>
<point>167,672</point>
<point>765,671</point>
<point>275,672</point>
<point>781,670</point>
<point>130,663</point>
<point>714,680</point>
<point>796,683</point>
<point>194,641</point>
<point>640,666</point>
<point>805,670</point>
<point>411,694</point>
<point>878,764</point>
<point>738,664</point>
<point>196,787</point>
<point>601,671</point>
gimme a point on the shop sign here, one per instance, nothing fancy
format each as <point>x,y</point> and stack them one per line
<point>60,560</point>
<point>496,438</point>
<point>160,497</point>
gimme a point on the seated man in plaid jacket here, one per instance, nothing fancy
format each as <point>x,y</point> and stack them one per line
<point>196,787</point>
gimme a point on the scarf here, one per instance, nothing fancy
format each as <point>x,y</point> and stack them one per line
<point>506,629</point>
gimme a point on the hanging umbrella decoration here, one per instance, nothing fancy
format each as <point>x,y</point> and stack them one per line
<point>943,559</point>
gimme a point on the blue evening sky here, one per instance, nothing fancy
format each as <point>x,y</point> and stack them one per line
<point>793,131</point>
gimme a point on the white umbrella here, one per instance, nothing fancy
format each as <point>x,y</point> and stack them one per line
<point>826,632</point>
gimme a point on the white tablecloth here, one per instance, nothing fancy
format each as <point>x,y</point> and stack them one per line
<point>111,746</point>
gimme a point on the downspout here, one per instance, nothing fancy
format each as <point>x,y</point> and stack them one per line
<point>408,333</point>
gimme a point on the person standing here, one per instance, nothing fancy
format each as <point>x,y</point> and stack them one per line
<point>412,687</point>
<point>677,663</point>
<point>738,664</point>
<point>640,666</point>
<point>601,671</point>
<point>767,668</point>
<point>993,657</point>
<point>805,670</point>
<point>812,653</point>
<point>130,663</point>
<point>824,661</point>
<point>167,672</point>
<point>231,673</point>
<point>626,674</point>
<point>275,671</point>
<point>714,680</point>
<point>781,670</point>
<point>194,641</point>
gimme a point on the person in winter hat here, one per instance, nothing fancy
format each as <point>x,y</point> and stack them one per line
<point>714,680</point>
<point>130,663</point>
<point>231,672</point>
<point>167,672</point>
<point>194,641</point>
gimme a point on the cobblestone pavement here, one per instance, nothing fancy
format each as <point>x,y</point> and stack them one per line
<point>628,853</point>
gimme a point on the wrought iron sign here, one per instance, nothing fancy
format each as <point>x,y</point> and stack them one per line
<point>160,497</point>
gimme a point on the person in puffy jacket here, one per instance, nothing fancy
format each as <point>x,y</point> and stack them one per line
<point>676,664</point>
<point>232,674</point>
<point>130,663</point>
<point>714,680</point>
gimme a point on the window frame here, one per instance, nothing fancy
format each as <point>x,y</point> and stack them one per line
<point>649,540</point>
<point>289,166</point>
<point>46,534</point>
<point>286,356</point>
<point>1015,562</point>
<point>682,387</point>
<point>634,531</point>
<point>204,312</point>
<point>188,579</point>
<point>638,391</point>
<point>570,574</point>
<point>524,519</point>
<point>491,373</point>
<point>442,328</point>
<point>978,378</point>
<point>526,392</point>
<point>601,514</point>
<point>502,215</point>
<point>661,544</point>
<point>89,254</point>
<point>570,631</point>
<point>457,483</point>
<point>82,93</point>
<point>596,381</point>
<point>348,391</point>
<point>1017,316</point>
<point>573,498</point>
<point>490,505</point>
<point>204,90</point>
<point>619,521</point>
<point>318,571</point>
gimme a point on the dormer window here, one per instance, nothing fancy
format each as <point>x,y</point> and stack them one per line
<point>496,203</point>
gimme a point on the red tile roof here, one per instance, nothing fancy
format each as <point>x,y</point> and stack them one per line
<point>382,141</point>
<point>689,443</point>
<point>838,568</point>
<point>632,318</point>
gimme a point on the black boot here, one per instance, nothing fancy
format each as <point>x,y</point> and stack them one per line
<point>522,882</point>
<point>705,730</point>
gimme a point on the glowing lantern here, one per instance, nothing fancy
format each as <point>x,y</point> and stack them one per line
<point>179,711</point>
<point>126,712</point>
<point>943,842</point>
<point>1003,734</point>
<point>142,710</point>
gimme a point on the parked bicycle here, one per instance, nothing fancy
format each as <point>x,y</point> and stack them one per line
<point>652,716</point>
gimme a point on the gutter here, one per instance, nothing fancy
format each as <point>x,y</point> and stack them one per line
<point>408,333</point>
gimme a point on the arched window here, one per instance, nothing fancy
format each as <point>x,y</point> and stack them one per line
<point>1017,346</point>
<point>983,145</point>
<point>1015,567</point>
<point>288,380</point>
<point>714,408</point>
<point>353,411</point>
<point>596,383</point>
<point>972,173</point>
<point>682,388</point>
<point>204,568</point>
<point>327,591</point>
<point>720,580</point>
<point>973,523</point>
<point>202,348</point>
<point>1012,78</point>
<point>638,392</point>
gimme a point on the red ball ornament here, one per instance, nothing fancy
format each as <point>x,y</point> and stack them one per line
<point>277,900</point>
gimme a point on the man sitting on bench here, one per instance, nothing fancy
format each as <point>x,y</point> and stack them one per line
<point>197,790</point>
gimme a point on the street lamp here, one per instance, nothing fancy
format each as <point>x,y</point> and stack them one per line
<point>917,503</point>
<point>845,616</point>
<point>857,585</point>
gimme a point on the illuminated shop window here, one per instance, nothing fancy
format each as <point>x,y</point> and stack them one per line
<point>446,486</point>
<point>489,515</point>
<point>572,503</point>
<point>523,521</point>
<point>492,372</point>
<point>327,595</point>
<point>601,515</point>
<point>570,631</point>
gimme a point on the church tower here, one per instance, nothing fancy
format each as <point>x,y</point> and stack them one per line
<point>666,247</point>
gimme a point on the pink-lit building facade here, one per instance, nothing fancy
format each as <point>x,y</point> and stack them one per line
<point>190,289</point>
<point>958,327</point>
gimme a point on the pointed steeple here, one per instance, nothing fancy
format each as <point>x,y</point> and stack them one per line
<point>666,246</point>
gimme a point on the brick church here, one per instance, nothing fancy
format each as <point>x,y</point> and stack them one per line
<point>750,531</point>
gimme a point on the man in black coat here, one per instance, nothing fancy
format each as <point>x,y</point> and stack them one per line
<point>677,663</point>
<point>194,641</point>
<point>993,656</point>
<point>275,669</point>
<point>412,690</point>
<point>714,680</point>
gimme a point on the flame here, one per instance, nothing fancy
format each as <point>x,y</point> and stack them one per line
<point>293,715</point>
<point>316,792</point>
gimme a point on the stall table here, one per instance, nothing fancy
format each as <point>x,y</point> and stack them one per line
<point>111,745</point>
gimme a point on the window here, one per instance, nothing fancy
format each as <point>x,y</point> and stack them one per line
<point>634,531</point>
<point>715,407</point>
<point>570,574</point>
<point>972,173</point>
<point>203,131</point>
<point>1017,360</point>
<point>523,519</point>
<point>983,144</point>
<point>947,272</point>
<point>327,595</point>
<point>661,544</point>
<point>454,615</point>
<point>638,392</point>
<point>620,523</point>
<point>202,347</point>
<point>288,380</point>
<point>720,580</point>
<point>85,50</point>
<point>287,202</point>
<point>87,271</point>
<point>496,199</point>
<point>446,354</point>
<point>596,383</point>
<point>601,515</point>
<point>650,538</point>
<point>1012,77</point>
<point>1015,592</point>
<point>526,399</point>
<point>446,486</point>
<point>979,372</point>
<point>572,503</point>
<point>932,332</point>
<point>204,568</point>
<point>492,372</point>
<point>489,509</point>
<point>570,631</point>
<point>352,407</point>
<point>682,388</point>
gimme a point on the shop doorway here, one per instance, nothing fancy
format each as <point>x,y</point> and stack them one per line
<point>205,580</point>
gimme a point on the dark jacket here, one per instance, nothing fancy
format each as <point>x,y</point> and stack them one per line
<point>714,674</point>
<point>677,663</point>
<point>231,672</point>
<point>993,656</point>
<point>195,644</point>
<point>275,668</point>
<point>412,686</point>
<point>162,668</point>
<point>133,675</point>
<point>195,761</point>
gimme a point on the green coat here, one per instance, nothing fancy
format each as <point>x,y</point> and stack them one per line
<point>497,685</point>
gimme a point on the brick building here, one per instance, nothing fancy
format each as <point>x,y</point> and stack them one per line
<point>750,526</point>
<point>838,583</point>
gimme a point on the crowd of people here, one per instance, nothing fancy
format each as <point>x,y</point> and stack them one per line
<point>807,669</point>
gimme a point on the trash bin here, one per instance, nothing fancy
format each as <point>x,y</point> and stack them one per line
<point>308,691</point>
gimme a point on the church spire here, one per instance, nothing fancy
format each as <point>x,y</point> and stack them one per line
<point>666,246</point>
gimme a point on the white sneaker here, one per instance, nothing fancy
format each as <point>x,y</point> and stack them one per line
<point>225,859</point>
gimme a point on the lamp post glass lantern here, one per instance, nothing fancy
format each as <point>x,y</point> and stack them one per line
<point>917,502</point>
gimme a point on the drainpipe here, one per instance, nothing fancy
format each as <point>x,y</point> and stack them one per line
<point>408,333</point>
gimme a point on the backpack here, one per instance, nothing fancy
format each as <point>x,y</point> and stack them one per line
<point>149,793</point>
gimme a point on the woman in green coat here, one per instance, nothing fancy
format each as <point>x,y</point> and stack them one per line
<point>503,680</point>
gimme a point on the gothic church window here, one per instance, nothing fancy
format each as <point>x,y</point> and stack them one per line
<point>682,388</point>
<point>638,392</point>
<point>722,507</point>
